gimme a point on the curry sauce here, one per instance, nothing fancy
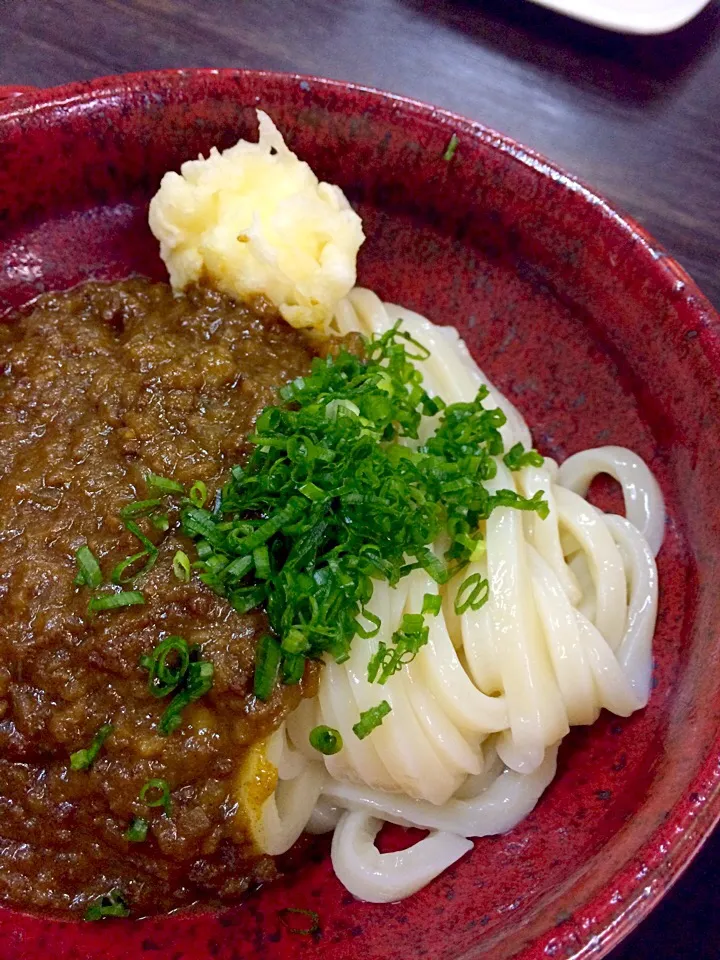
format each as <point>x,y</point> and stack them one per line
<point>101,385</point>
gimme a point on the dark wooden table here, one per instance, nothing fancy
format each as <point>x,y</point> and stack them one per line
<point>638,118</point>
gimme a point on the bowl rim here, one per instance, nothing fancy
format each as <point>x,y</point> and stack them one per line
<point>599,923</point>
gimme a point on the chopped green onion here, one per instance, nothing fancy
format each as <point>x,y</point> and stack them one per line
<point>267,664</point>
<point>156,793</point>
<point>479,549</point>
<point>89,573</point>
<point>137,831</point>
<point>472,594</point>
<point>407,643</point>
<point>112,904</point>
<point>140,508</point>
<point>335,497</point>
<point>517,457</point>
<point>293,668</point>
<point>308,929</point>
<point>341,408</point>
<point>370,719</point>
<point>432,603</point>
<point>247,598</point>
<point>423,352</point>
<point>198,681</point>
<point>508,498</point>
<point>149,551</point>
<point>167,664</point>
<point>148,545</point>
<point>238,568</point>
<point>312,491</point>
<point>198,494</point>
<point>161,522</point>
<point>114,601</point>
<point>295,642</point>
<point>204,550</point>
<point>432,565</point>
<point>181,566</point>
<point>326,740</point>
<point>261,559</point>
<point>118,575</point>
<point>84,759</point>
<point>374,620</point>
<point>164,485</point>
<point>200,523</point>
<point>451,148</point>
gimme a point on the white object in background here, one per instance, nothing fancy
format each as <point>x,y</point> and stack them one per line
<point>630,16</point>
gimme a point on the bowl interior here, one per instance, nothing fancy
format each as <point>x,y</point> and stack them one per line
<point>591,332</point>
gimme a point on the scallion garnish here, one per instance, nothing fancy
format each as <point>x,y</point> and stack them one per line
<point>112,904</point>
<point>518,457</point>
<point>472,594</point>
<point>293,668</point>
<point>261,559</point>
<point>175,667</point>
<point>114,601</point>
<point>312,492</point>
<point>370,719</point>
<point>181,566</point>
<point>139,508</point>
<point>308,929</point>
<point>372,618</point>
<point>406,644</point>
<point>204,550</point>
<point>89,573</point>
<point>137,831</point>
<point>147,543</point>
<point>267,664</point>
<point>164,485</point>
<point>327,740</point>
<point>196,683</point>
<point>334,498</point>
<point>432,603</point>
<point>198,494</point>
<point>156,793</point>
<point>451,148</point>
<point>129,569</point>
<point>120,574</point>
<point>84,759</point>
<point>167,666</point>
<point>160,521</point>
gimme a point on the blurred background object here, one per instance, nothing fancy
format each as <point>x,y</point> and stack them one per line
<point>630,16</point>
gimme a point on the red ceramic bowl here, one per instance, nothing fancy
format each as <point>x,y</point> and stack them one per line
<point>593,332</point>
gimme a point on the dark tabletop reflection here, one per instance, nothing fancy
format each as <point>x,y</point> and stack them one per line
<point>631,69</point>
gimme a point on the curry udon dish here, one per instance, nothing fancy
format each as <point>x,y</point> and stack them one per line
<point>276,559</point>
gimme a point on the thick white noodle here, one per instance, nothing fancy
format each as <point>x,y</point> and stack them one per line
<point>606,567</point>
<point>287,812</point>
<point>644,505</point>
<point>471,741</point>
<point>496,808</point>
<point>635,654</point>
<point>384,877</point>
<point>562,636</point>
<point>544,535</point>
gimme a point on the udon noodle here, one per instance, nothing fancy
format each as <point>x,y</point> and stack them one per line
<point>471,741</point>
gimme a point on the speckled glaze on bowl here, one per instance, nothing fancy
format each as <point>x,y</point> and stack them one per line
<point>593,332</point>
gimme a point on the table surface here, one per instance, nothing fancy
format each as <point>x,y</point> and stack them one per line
<point>638,118</point>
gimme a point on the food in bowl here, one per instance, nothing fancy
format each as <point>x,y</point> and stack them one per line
<point>234,615</point>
